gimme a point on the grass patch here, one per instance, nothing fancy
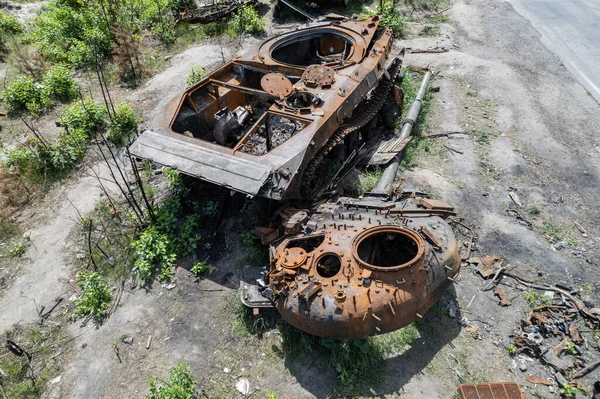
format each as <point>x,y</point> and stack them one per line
<point>421,148</point>
<point>256,253</point>
<point>482,137</point>
<point>180,384</point>
<point>535,298</point>
<point>47,345</point>
<point>533,210</point>
<point>369,179</point>
<point>558,232</point>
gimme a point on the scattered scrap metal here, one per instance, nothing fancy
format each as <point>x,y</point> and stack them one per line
<point>211,12</point>
<point>552,332</point>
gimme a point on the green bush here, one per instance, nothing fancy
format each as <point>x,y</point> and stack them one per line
<point>59,84</point>
<point>9,24</point>
<point>199,267</point>
<point>123,124</point>
<point>24,94</point>
<point>95,296</point>
<point>392,19</point>
<point>68,150</point>
<point>246,19</point>
<point>88,117</point>
<point>151,248</point>
<point>73,33</point>
<point>180,385</point>
<point>195,75</point>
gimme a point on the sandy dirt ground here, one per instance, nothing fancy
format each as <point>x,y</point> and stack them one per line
<point>541,143</point>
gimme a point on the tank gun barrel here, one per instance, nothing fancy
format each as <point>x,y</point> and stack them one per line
<point>385,185</point>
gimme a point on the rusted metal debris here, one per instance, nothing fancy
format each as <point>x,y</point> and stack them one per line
<point>351,268</point>
<point>211,12</point>
<point>502,298</point>
<point>264,123</point>
<point>495,390</point>
<point>539,380</point>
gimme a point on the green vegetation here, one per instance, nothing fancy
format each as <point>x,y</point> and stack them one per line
<point>246,19</point>
<point>95,297</point>
<point>534,298</point>
<point>123,124</point>
<point>570,348</point>
<point>17,250</point>
<point>357,363</point>
<point>558,232</point>
<point>569,391</point>
<point>154,248</point>
<point>369,179</point>
<point>391,18</point>
<point>195,75</point>
<point>180,384</point>
<point>511,349</point>
<point>9,27</point>
<point>25,94</point>
<point>200,268</point>
<point>256,252</point>
<point>48,344</point>
<point>482,138</point>
<point>166,238</point>
<point>538,394</point>
<point>533,210</point>
<point>271,395</point>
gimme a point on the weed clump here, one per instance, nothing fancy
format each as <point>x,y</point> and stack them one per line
<point>95,298</point>
<point>195,75</point>
<point>180,384</point>
<point>123,124</point>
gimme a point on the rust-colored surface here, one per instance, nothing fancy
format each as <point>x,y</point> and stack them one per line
<point>354,268</point>
<point>539,380</point>
<point>263,123</point>
<point>495,390</point>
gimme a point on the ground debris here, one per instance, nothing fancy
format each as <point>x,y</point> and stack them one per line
<point>502,298</point>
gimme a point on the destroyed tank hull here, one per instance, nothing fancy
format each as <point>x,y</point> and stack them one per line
<point>364,267</point>
<point>255,124</point>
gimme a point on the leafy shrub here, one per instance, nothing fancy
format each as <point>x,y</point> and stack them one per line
<point>9,24</point>
<point>73,33</point>
<point>152,248</point>
<point>68,150</point>
<point>246,19</point>
<point>199,267</point>
<point>174,180</point>
<point>24,94</point>
<point>123,124</point>
<point>17,250</point>
<point>87,117</point>
<point>59,84</point>
<point>195,75</point>
<point>392,19</point>
<point>180,385</point>
<point>95,297</point>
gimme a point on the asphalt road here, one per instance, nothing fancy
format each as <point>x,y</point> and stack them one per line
<point>571,29</point>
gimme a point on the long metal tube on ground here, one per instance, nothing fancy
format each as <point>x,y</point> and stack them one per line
<point>293,7</point>
<point>385,186</point>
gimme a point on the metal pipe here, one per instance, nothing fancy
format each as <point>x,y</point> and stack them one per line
<point>385,186</point>
<point>293,7</point>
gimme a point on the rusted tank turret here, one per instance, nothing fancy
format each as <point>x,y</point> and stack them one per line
<point>358,267</point>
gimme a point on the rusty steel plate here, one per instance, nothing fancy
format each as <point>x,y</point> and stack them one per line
<point>318,76</point>
<point>276,84</point>
<point>293,258</point>
<point>495,390</point>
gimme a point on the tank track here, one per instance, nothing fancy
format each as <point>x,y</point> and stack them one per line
<point>355,122</point>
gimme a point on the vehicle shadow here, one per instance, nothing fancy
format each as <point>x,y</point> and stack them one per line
<point>397,356</point>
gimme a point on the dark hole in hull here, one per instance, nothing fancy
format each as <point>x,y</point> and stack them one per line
<point>387,249</point>
<point>328,265</point>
